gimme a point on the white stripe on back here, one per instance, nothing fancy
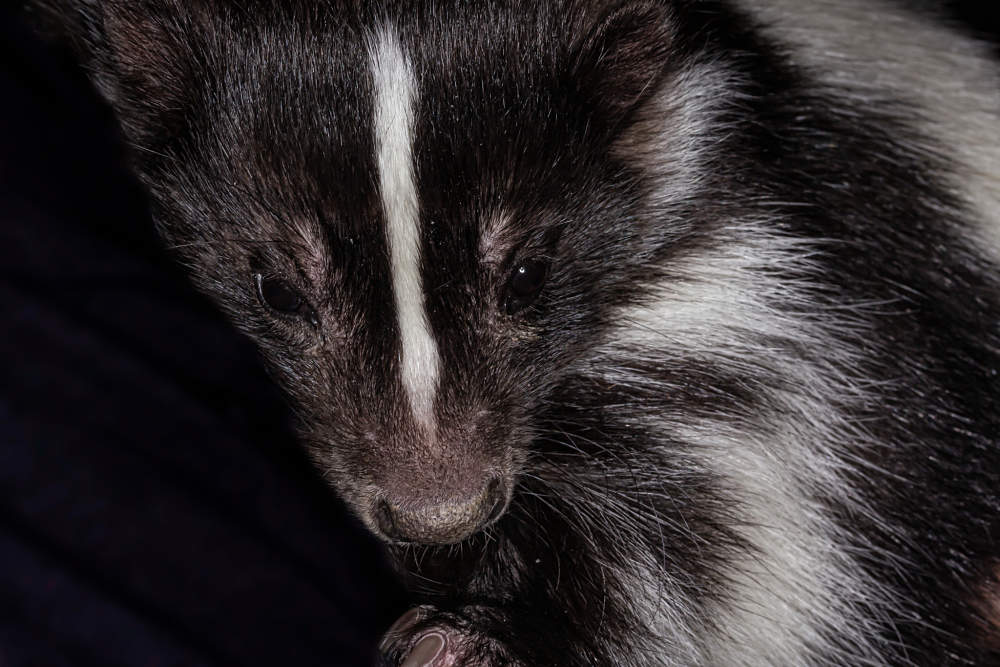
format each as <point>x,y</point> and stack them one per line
<point>395,92</point>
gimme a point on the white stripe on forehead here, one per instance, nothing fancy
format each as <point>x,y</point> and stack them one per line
<point>395,92</point>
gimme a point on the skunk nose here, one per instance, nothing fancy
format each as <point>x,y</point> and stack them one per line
<point>441,522</point>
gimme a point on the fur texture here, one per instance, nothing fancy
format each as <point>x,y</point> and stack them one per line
<point>704,294</point>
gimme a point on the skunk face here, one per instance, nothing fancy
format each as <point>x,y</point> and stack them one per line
<point>420,255</point>
<point>691,307</point>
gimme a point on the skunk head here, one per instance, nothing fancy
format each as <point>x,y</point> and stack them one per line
<point>420,218</point>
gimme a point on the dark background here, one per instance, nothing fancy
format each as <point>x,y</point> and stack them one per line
<point>154,509</point>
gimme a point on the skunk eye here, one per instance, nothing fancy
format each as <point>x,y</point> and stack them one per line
<point>280,297</point>
<point>525,284</point>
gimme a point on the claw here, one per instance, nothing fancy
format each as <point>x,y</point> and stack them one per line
<point>426,651</point>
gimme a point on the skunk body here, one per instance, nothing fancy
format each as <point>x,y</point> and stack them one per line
<point>645,332</point>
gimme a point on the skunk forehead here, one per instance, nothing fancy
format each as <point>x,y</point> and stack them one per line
<point>276,130</point>
<point>292,101</point>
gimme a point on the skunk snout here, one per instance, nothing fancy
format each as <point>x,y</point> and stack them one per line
<point>444,520</point>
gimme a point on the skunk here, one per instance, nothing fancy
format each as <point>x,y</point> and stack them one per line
<point>644,332</point>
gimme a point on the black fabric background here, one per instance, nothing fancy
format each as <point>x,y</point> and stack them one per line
<point>154,509</point>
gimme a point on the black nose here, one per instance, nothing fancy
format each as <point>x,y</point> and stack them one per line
<point>442,522</point>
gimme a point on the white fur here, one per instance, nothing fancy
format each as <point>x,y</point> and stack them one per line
<point>395,96</point>
<point>795,591</point>
<point>876,51</point>
<point>680,122</point>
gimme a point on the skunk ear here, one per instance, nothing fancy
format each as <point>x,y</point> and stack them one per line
<point>146,46</point>
<point>621,61</point>
<point>132,50</point>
